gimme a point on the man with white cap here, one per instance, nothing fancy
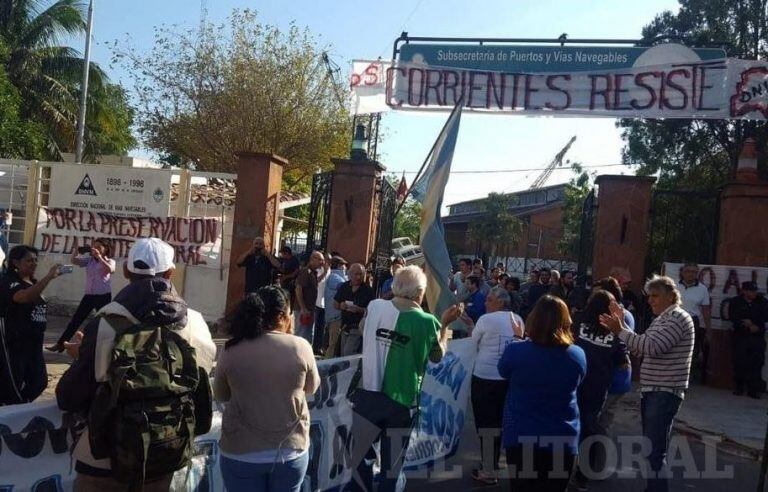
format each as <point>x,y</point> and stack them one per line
<point>145,342</point>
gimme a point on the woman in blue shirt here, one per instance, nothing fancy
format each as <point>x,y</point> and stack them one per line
<point>541,410</point>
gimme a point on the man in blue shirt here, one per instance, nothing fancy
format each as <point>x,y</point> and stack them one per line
<point>337,277</point>
<point>475,303</point>
<point>398,262</point>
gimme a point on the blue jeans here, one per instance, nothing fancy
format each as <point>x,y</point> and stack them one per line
<point>658,410</point>
<point>240,476</point>
<point>307,332</point>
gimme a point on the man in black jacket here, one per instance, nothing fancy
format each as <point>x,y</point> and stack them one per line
<point>748,313</point>
<point>149,299</point>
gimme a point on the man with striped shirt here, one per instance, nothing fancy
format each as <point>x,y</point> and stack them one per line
<point>667,350</point>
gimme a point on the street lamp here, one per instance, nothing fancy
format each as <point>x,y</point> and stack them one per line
<point>359,152</point>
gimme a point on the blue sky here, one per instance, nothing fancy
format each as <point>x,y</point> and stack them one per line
<point>367,30</point>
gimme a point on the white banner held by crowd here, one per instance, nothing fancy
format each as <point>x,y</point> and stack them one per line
<point>35,438</point>
<point>117,190</point>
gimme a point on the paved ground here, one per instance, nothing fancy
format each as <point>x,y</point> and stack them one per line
<point>736,473</point>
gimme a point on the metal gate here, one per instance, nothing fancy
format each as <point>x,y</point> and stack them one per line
<point>586,237</point>
<point>319,212</point>
<point>683,227</point>
<point>382,250</point>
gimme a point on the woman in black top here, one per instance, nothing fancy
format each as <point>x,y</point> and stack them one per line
<point>605,352</point>
<point>22,369</point>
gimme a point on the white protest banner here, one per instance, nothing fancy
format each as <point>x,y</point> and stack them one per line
<point>197,240</point>
<point>723,282</point>
<point>725,88</point>
<point>443,404</point>
<point>368,86</point>
<point>117,190</point>
<point>35,438</point>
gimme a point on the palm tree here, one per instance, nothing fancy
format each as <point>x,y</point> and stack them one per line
<point>48,74</point>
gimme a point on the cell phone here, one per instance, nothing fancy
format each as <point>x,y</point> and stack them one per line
<point>66,269</point>
<point>83,250</point>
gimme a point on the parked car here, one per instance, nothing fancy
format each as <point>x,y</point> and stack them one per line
<point>402,246</point>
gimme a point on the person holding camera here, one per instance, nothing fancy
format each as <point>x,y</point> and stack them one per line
<point>99,267</point>
<point>260,266</point>
<point>23,376</point>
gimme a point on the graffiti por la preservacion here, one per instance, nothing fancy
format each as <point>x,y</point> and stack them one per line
<point>66,229</point>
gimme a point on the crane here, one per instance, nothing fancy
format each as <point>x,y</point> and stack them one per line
<point>557,161</point>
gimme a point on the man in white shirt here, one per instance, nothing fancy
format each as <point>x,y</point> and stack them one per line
<point>696,302</point>
<point>457,281</point>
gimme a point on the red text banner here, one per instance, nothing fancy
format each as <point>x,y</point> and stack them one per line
<point>197,240</point>
<point>724,88</point>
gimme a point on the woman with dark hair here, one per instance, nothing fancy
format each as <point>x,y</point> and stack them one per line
<point>264,374</point>
<point>22,368</point>
<point>605,353</point>
<point>99,267</point>
<point>543,373</point>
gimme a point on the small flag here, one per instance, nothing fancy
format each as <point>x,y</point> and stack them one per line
<point>402,189</point>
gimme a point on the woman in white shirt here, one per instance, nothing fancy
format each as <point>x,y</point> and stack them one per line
<point>492,332</point>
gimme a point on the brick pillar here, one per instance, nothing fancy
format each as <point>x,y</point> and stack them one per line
<point>259,178</point>
<point>621,232</point>
<point>352,223</point>
<point>742,241</point>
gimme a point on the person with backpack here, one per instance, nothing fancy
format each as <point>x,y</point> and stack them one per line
<point>140,377</point>
<point>264,375</point>
<point>23,376</point>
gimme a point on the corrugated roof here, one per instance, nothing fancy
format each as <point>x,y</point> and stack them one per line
<point>219,191</point>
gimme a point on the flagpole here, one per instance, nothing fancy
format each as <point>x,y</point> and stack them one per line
<point>429,155</point>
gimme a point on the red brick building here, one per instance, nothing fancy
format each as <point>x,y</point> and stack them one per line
<point>540,211</point>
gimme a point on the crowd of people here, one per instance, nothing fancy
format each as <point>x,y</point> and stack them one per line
<point>552,360</point>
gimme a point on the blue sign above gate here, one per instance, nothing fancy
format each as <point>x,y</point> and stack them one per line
<point>542,58</point>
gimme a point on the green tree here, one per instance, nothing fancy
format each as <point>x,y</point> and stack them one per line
<point>575,194</point>
<point>206,94</point>
<point>497,225</point>
<point>19,138</point>
<point>701,153</point>
<point>48,77</point>
<point>408,221</point>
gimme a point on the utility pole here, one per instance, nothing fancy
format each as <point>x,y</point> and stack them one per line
<point>84,87</point>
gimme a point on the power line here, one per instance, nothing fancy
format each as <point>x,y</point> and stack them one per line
<point>501,171</point>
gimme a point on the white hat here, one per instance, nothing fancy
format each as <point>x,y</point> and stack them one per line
<point>154,252</point>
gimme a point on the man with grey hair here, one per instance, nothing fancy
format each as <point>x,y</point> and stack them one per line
<point>398,340</point>
<point>667,350</point>
<point>352,298</point>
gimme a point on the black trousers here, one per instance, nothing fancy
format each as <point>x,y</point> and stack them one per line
<point>700,351</point>
<point>547,478</point>
<point>319,338</point>
<point>376,416</point>
<point>748,360</point>
<point>89,302</point>
<point>488,396</point>
<point>23,376</point>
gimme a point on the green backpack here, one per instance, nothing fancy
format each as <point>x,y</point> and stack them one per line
<point>143,417</point>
